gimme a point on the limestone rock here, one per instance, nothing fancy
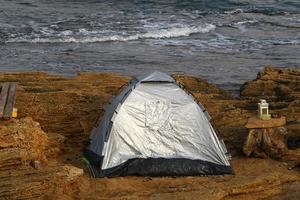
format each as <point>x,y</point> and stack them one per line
<point>68,107</point>
<point>56,145</point>
<point>273,84</point>
<point>21,141</point>
<point>24,173</point>
<point>70,173</point>
<point>281,87</point>
<point>33,184</point>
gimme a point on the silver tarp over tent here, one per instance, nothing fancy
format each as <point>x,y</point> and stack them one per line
<point>154,127</point>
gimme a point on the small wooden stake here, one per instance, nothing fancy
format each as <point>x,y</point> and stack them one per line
<point>3,98</point>
<point>10,102</point>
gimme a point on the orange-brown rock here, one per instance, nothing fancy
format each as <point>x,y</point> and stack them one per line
<point>33,184</point>
<point>273,84</point>
<point>21,141</point>
<point>254,179</point>
<point>24,169</point>
<point>281,87</point>
<point>68,107</point>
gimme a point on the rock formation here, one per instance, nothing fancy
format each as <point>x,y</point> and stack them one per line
<point>24,169</point>
<point>66,108</point>
<point>21,141</point>
<point>281,87</point>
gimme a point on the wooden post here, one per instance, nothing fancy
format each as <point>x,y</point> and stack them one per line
<point>10,102</point>
<point>3,98</point>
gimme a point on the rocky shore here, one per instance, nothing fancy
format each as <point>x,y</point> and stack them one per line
<point>40,151</point>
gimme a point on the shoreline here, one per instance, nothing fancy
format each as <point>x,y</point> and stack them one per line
<point>231,88</point>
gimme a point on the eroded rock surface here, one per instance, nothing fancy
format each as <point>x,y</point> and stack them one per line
<point>21,141</point>
<point>68,107</point>
<point>24,168</point>
<point>274,84</point>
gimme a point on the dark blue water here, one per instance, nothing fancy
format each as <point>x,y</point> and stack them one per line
<point>226,42</point>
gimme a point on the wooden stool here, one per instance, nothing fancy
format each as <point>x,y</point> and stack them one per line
<point>266,138</point>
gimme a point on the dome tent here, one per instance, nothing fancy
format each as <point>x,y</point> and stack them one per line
<point>155,128</point>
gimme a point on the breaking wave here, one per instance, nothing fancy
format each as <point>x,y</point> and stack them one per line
<point>246,22</point>
<point>156,34</point>
<point>235,11</point>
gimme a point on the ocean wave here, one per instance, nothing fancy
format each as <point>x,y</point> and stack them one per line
<point>269,10</point>
<point>246,22</point>
<point>156,34</point>
<point>226,44</point>
<point>242,24</point>
<point>235,11</point>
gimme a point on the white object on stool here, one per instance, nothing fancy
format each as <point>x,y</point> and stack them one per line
<point>263,109</point>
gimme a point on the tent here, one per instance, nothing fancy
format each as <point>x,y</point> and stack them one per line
<point>156,128</point>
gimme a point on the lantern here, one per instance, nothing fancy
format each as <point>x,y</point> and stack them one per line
<point>263,110</point>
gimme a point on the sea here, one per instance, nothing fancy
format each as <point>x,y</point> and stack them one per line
<point>223,41</point>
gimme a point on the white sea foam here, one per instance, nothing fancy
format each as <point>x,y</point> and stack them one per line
<point>246,22</point>
<point>155,34</point>
<point>236,11</point>
<point>242,25</point>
